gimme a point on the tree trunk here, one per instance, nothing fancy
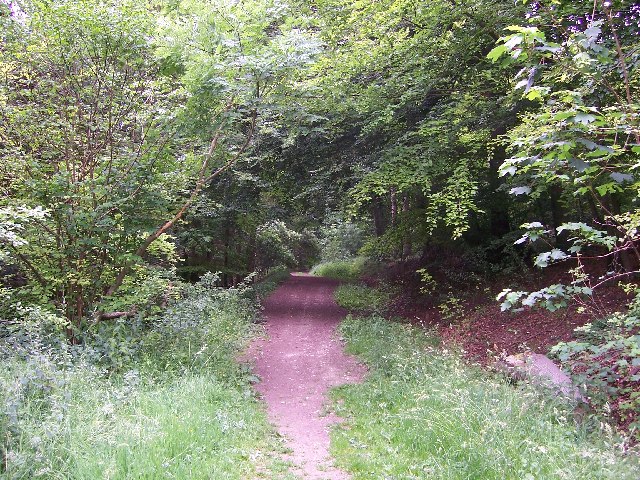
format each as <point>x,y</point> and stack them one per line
<point>499,223</point>
<point>377,213</point>
<point>406,245</point>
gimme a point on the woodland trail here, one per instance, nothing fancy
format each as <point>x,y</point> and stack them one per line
<point>299,361</point>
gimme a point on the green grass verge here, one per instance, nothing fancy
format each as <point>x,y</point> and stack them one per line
<point>355,297</point>
<point>164,400</point>
<point>274,278</point>
<point>346,270</point>
<point>423,413</point>
<point>192,428</point>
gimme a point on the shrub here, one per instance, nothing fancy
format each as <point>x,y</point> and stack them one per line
<point>276,243</point>
<point>340,240</point>
<point>270,281</point>
<point>452,309</point>
<point>385,247</point>
<point>499,256</point>
<point>605,358</point>
<point>203,330</point>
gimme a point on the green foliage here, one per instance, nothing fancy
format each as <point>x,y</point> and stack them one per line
<point>271,281</point>
<point>424,413</point>
<point>116,116</point>
<point>411,98</point>
<point>146,291</point>
<point>13,222</point>
<point>166,398</point>
<point>552,298</point>
<point>207,327</point>
<point>499,256</point>
<point>86,135</point>
<point>582,137</point>
<point>136,134</point>
<point>362,298</point>
<point>340,240</point>
<point>427,283</point>
<point>383,247</point>
<point>452,309</point>
<point>348,270</point>
<point>276,245</point>
<point>453,204</point>
<point>605,359</point>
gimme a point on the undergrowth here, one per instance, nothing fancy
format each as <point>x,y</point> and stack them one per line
<point>152,398</point>
<point>360,297</point>
<point>346,270</point>
<point>424,413</point>
<point>273,278</point>
<point>605,359</point>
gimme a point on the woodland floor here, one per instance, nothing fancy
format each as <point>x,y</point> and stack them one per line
<point>298,362</point>
<point>482,330</point>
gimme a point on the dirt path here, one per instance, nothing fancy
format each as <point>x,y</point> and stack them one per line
<point>301,359</point>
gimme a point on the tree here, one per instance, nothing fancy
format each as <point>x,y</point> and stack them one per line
<point>116,128</point>
<point>413,110</point>
<point>584,138</point>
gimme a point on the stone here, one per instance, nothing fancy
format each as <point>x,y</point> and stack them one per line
<point>541,369</point>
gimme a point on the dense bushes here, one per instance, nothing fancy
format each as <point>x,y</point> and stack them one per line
<point>341,269</point>
<point>279,245</point>
<point>340,239</point>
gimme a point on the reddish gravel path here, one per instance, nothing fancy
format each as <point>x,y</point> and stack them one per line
<point>301,359</point>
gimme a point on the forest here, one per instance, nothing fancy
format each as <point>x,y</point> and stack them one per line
<point>462,167</point>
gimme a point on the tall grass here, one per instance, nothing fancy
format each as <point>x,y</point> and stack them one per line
<point>175,404</point>
<point>346,270</point>
<point>424,413</point>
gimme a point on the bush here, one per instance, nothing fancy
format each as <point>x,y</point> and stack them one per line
<point>500,256</point>
<point>146,290</point>
<point>270,281</point>
<point>605,358</point>
<point>276,243</point>
<point>307,250</point>
<point>203,331</point>
<point>340,240</point>
<point>385,247</point>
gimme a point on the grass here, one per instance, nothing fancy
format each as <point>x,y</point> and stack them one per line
<point>423,413</point>
<point>191,428</point>
<point>355,297</point>
<point>346,270</point>
<point>177,405</point>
